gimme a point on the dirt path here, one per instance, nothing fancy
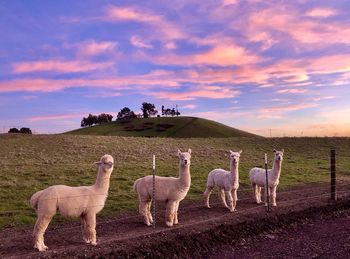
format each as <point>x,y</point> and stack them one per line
<point>199,230</point>
<point>321,238</point>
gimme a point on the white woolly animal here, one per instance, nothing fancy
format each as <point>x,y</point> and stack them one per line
<point>258,178</point>
<point>83,201</point>
<point>226,181</point>
<point>171,190</point>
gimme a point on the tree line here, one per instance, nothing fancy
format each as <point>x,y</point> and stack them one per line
<point>126,114</point>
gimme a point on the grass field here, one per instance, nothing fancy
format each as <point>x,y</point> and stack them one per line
<point>31,163</point>
<point>174,127</point>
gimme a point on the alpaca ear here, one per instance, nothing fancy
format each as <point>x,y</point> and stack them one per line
<point>189,151</point>
<point>274,151</point>
<point>231,151</point>
<point>178,152</point>
<point>282,150</point>
<point>98,163</point>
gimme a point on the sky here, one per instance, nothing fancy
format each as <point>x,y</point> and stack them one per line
<point>274,68</point>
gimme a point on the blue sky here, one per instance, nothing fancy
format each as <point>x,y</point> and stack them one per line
<point>254,65</point>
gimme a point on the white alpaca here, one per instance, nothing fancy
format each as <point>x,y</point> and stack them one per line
<point>258,178</point>
<point>226,181</point>
<point>168,189</point>
<point>83,201</point>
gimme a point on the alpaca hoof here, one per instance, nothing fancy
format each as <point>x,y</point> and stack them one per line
<point>87,241</point>
<point>176,222</point>
<point>169,224</point>
<point>41,248</point>
<point>274,205</point>
<point>232,210</point>
<point>208,206</point>
<point>148,224</point>
<point>94,243</point>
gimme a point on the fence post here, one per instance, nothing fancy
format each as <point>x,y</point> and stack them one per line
<point>333,176</point>
<point>267,191</point>
<point>154,191</point>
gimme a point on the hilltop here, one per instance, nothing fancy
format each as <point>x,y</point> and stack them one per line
<point>175,127</point>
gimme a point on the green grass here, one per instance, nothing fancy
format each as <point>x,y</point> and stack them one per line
<point>31,163</point>
<point>181,127</point>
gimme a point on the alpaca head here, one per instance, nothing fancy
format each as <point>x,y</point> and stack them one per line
<point>106,163</point>
<point>278,155</point>
<point>234,157</point>
<point>185,157</point>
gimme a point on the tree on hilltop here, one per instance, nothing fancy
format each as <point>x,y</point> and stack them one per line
<point>125,115</point>
<point>148,110</point>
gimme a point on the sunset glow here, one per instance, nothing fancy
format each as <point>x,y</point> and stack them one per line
<point>274,68</point>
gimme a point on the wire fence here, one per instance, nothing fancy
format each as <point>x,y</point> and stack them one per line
<point>191,223</point>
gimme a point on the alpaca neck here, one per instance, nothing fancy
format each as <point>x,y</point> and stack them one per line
<point>276,170</point>
<point>234,172</point>
<point>102,180</point>
<point>185,177</point>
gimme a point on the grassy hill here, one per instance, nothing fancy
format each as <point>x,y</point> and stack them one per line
<point>175,127</point>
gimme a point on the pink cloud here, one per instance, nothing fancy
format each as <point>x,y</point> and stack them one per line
<point>219,56</point>
<point>189,106</point>
<point>92,48</point>
<point>59,66</point>
<point>292,91</point>
<point>118,83</point>
<point>212,92</point>
<point>285,18</point>
<point>136,41</point>
<point>321,12</point>
<point>329,97</point>
<point>164,28</point>
<point>279,111</point>
<point>170,45</point>
<point>56,117</point>
<point>131,14</point>
<point>230,2</point>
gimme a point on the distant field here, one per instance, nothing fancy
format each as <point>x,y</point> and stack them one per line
<point>174,127</point>
<point>31,163</point>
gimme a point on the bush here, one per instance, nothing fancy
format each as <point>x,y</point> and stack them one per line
<point>14,130</point>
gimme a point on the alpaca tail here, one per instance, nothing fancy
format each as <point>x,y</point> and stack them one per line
<point>135,185</point>
<point>34,199</point>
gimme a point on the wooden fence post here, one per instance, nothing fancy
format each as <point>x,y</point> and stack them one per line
<point>154,191</point>
<point>333,176</point>
<point>267,189</point>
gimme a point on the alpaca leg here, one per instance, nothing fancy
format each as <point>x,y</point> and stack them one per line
<point>256,192</point>
<point>222,196</point>
<point>259,194</point>
<point>143,209</point>
<point>170,213</point>
<point>176,210</point>
<point>234,196</point>
<point>230,201</point>
<point>84,230</point>
<point>273,196</point>
<point>91,228</point>
<point>150,218</point>
<point>207,195</point>
<point>39,231</point>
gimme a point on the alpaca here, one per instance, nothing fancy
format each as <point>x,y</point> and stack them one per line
<point>171,190</point>
<point>258,178</point>
<point>227,182</point>
<point>83,201</point>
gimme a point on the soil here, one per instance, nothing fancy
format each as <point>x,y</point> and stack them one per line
<point>303,225</point>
